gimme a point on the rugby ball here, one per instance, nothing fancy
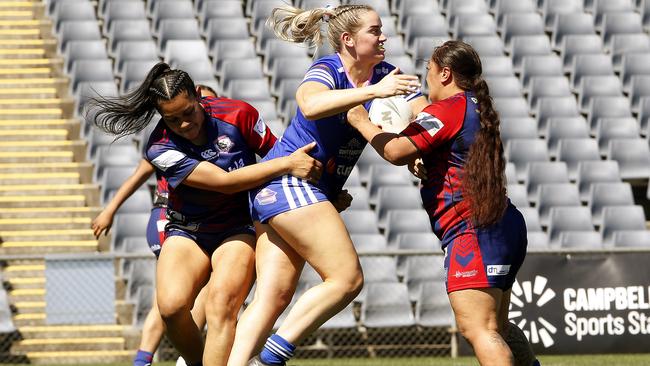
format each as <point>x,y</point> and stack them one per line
<point>392,114</point>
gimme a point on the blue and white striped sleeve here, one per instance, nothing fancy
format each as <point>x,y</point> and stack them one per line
<point>410,97</point>
<point>320,73</point>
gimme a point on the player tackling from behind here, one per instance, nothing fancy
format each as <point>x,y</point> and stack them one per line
<point>483,235</point>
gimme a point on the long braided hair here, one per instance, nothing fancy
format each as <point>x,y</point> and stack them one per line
<point>299,25</point>
<point>132,112</point>
<point>484,180</point>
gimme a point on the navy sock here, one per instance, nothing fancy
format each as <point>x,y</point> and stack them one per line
<point>200,363</point>
<point>277,351</point>
<point>142,358</point>
<point>536,363</point>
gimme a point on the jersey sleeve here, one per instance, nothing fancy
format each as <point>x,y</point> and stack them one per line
<point>437,124</point>
<point>172,163</point>
<point>256,133</point>
<point>321,73</point>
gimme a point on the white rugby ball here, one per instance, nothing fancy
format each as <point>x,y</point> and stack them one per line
<point>392,114</point>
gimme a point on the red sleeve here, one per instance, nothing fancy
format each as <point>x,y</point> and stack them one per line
<point>255,132</point>
<point>437,124</point>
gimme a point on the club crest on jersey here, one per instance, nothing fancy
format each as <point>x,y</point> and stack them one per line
<point>266,197</point>
<point>429,122</point>
<point>208,154</point>
<point>224,144</point>
<point>474,100</point>
<point>260,127</point>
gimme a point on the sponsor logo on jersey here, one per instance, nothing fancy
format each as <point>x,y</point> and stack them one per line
<point>208,154</point>
<point>260,127</point>
<point>168,159</point>
<point>224,144</point>
<point>466,274</point>
<point>266,197</point>
<point>498,269</point>
<point>474,100</point>
<point>429,123</point>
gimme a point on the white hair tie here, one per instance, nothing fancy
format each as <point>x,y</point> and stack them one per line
<point>326,16</point>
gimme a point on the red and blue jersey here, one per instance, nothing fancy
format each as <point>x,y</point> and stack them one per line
<point>443,133</point>
<point>236,132</point>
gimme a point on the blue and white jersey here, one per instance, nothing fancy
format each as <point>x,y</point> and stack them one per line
<point>339,145</point>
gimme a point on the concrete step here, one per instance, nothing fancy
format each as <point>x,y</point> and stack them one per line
<point>27,72</point>
<point>19,63</point>
<point>25,201</point>
<point>33,296</point>
<point>69,344</point>
<point>30,113</point>
<point>48,45</point>
<point>78,147</point>
<point>33,135</point>
<point>58,223</point>
<point>23,14</point>
<point>20,283</point>
<point>40,234</point>
<point>24,269</point>
<point>80,357</point>
<point>70,331</point>
<point>44,92</point>
<point>73,126</point>
<point>84,170</point>
<point>89,191</point>
<point>28,157</point>
<point>25,215</point>
<point>60,84</point>
<point>25,33</point>
<point>36,7</point>
<point>67,104</point>
<point>34,178</point>
<point>35,319</point>
<point>29,307</point>
<point>48,247</point>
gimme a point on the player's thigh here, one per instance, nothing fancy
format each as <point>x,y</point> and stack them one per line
<point>476,309</point>
<point>182,270</point>
<point>233,267</point>
<point>317,233</point>
<point>504,309</point>
<point>278,265</point>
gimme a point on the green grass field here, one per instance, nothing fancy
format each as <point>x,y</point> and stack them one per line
<point>577,360</point>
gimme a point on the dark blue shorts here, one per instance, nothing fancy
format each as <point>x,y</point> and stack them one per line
<point>156,229</point>
<point>487,257</point>
<point>209,242</point>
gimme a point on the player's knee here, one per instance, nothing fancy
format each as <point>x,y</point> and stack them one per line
<point>222,305</point>
<point>351,284</point>
<point>171,307</point>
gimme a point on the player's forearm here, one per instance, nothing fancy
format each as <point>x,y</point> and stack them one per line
<point>132,183</point>
<point>394,148</point>
<point>330,102</point>
<point>210,177</point>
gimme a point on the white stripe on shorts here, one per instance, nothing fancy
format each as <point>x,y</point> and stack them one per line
<point>298,190</point>
<point>287,192</point>
<point>310,193</point>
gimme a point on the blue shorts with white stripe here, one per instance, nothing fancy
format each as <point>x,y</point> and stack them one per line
<point>280,195</point>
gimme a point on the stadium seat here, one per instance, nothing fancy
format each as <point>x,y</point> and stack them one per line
<point>631,239</point>
<point>473,25</point>
<point>391,198</point>
<point>465,9</point>
<point>227,49</point>
<point>143,302</point>
<point>553,8</point>
<point>526,24</point>
<point>608,194</point>
<point>486,45</point>
<point>176,29</point>
<point>360,199</point>
<point>267,111</point>
<point>511,107</point>
<point>621,218</point>
<point>540,173</point>
<point>579,44</point>
<point>288,68</point>
<point>354,179</point>
<point>531,217</point>
<point>72,11</point>
<point>122,10</point>
<point>521,152</point>
<point>220,29</point>
<point>574,218</point>
<point>404,62</point>
<point>528,45</point>
<point>128,30</point>
<point>419,269</point>
<point>134,73</point>
<point>633,157</point>
<point>240,69</point>
<point>163,10</point>
<point>590,65</point>
<point>494,66</point>
<point>201,71</point>
<point>538,66</point>
<point>249,90</point>
<point>607,107</point>
<point>360,221</point>
<point>643,115</point>
<point>416,241</point>
<point>84,50</point>
<point>386,175</point>
<point>584,240</point>
<point>182,52</point>
<point>564,128</point>
<point>423,49</point>
<point>620,23</point>
<point>639,88</point>
<point>633,64</point>
<point>511,173</point>
<point>89,89</point>
<point>597,86</point>
<point>102,5</point>
<point>408,8</point>
<point>369,242</point>
<point>432,307</point>
<point>573,151</point>
<point>97,138</point>
<point>615,128</point>
<point>504,86</point>
<point>134,50</point>
<point>551,195</point>
<point>77,30</point>
<point>593,172</point>
<point>128,225</point>
<point>277,48</point>
<point>518,195</point>
<point>286,93</point>
<point>260,12</point>
<point>405,221</point>
<point>537,241</point>
<point>311,4</point>
<point>90,70</point>
<point>517,128</point>
<point>572,24</point>
<point>52,5</point>
<point>623,44</point>
<point>211,9</point>
<point>379,269</point>
<point>387,305</point>
<point>117,155</point>
<point>553,107</point>
<point>424,25</point>
<point>343,319</point>
<point>602,7</point>
<point>513,8</point>
<point>139,201</point>
<point>547,86</point>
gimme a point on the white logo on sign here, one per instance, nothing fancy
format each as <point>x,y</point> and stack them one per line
<point>528,294</point>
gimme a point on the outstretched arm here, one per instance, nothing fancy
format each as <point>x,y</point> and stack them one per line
<point>102,223</point>
<point>210,177</point>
